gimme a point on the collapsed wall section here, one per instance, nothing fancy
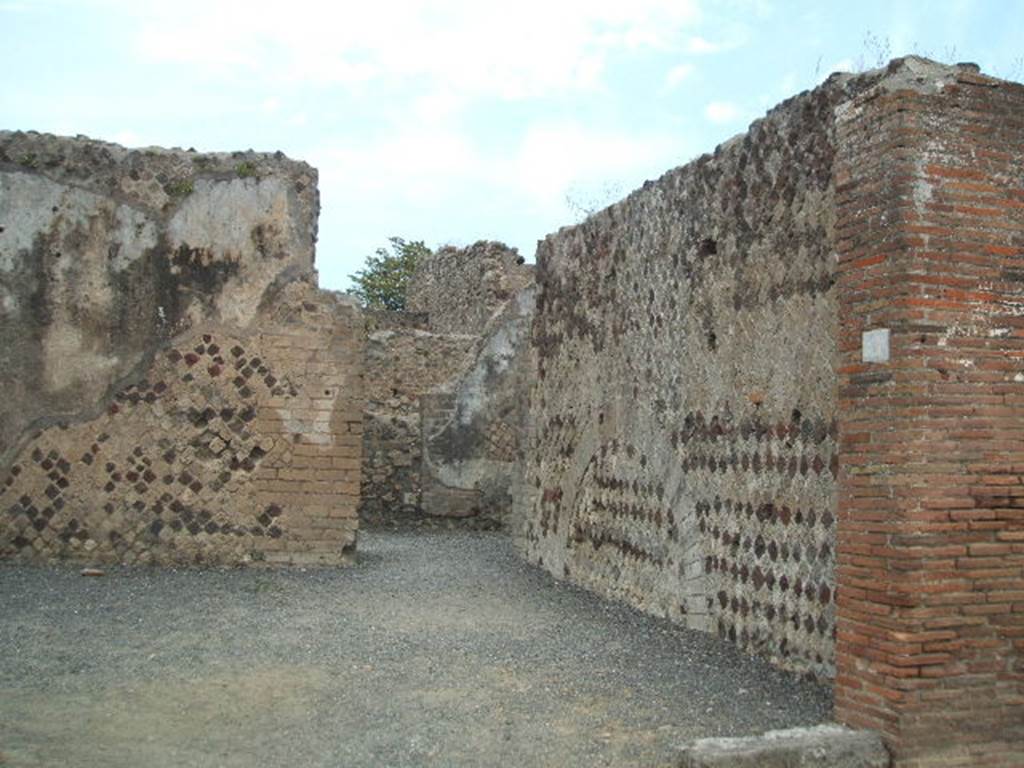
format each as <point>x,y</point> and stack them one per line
<point>402,363</point>
<point>474,436</point>
<point>683,454</point>
<point>177,388</point>
<point>446,407</point>
<point>460,289</point>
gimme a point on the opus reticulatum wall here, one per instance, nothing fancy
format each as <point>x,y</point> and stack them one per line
<point>778,395</point>
<point>178,390</point>
<point>683,414</point>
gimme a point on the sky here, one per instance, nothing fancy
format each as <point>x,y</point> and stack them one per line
<point>450,121</point>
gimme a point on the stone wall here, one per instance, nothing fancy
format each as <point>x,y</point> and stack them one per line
<point>683,455</point>
<point>460,289</point>
<point>106,252</point>
<point>779,395</point>
<point>390,320</point>
<point>401,363</point>
<point>446,405</point>
<point>474,438</point>
<point>177,390</point>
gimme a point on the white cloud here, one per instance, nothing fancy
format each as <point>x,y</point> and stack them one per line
<point>416,166</point>
<point>270,105</point>
<point>433,167</point>
<point>721,112</point>
<point>731,37</point>
<point>553,157</point>
<point>465,45</point>
<point>437,106</point>
<point>697,44</point>
<point>678,74</point>
<point>128,139</point>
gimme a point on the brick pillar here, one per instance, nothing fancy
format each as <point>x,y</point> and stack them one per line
<point>930,234</point>
<point>311,477</point>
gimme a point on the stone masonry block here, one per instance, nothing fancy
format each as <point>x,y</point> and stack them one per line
<point>824,746</point>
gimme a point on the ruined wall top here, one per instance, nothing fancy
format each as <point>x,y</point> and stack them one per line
<point>394,320</point>
<point>840,89</point>
<point>169,183</point>
<point>461,288</point>
<point>105,252</point>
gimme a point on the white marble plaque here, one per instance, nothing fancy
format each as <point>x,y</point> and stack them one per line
<point>875,346</point>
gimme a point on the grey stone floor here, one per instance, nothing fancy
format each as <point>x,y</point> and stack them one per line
<point>439,648</point>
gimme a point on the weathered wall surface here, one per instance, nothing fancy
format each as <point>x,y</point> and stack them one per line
<point>446,406</point>
<point>683,454</point>
<point>401,363</point>
<point>177,389</point>
<point>711,437</point>
<point>473,439</point>
<point>931,536</point>
<point>460,289</point>
<point>389,320</point>
<point>105,252</point>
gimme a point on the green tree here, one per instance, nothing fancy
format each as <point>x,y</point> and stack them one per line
<point>382,284</point>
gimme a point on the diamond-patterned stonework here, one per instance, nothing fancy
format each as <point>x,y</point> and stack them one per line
<point>236,447</point>
<point>683,453</point>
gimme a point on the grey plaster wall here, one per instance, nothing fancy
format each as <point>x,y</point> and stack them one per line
<point>474,439</point>
<point>105,252</point>
<point>177,388</point>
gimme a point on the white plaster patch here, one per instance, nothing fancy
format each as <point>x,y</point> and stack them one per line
<point>922,190</point>
<point>32,205</point>
<point>26,202</point>
<point>201,223</point>
<point>315,430</point>
<point>68,361</point>
<point>875,346</point>
<point>135,234</point>
<point>8,301</point>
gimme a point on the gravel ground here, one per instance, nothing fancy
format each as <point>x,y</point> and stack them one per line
<point>439,648</point>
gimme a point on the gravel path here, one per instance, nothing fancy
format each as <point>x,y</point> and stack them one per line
<point>439,648</point>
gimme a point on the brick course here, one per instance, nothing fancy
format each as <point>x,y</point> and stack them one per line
<point>930,232</point>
